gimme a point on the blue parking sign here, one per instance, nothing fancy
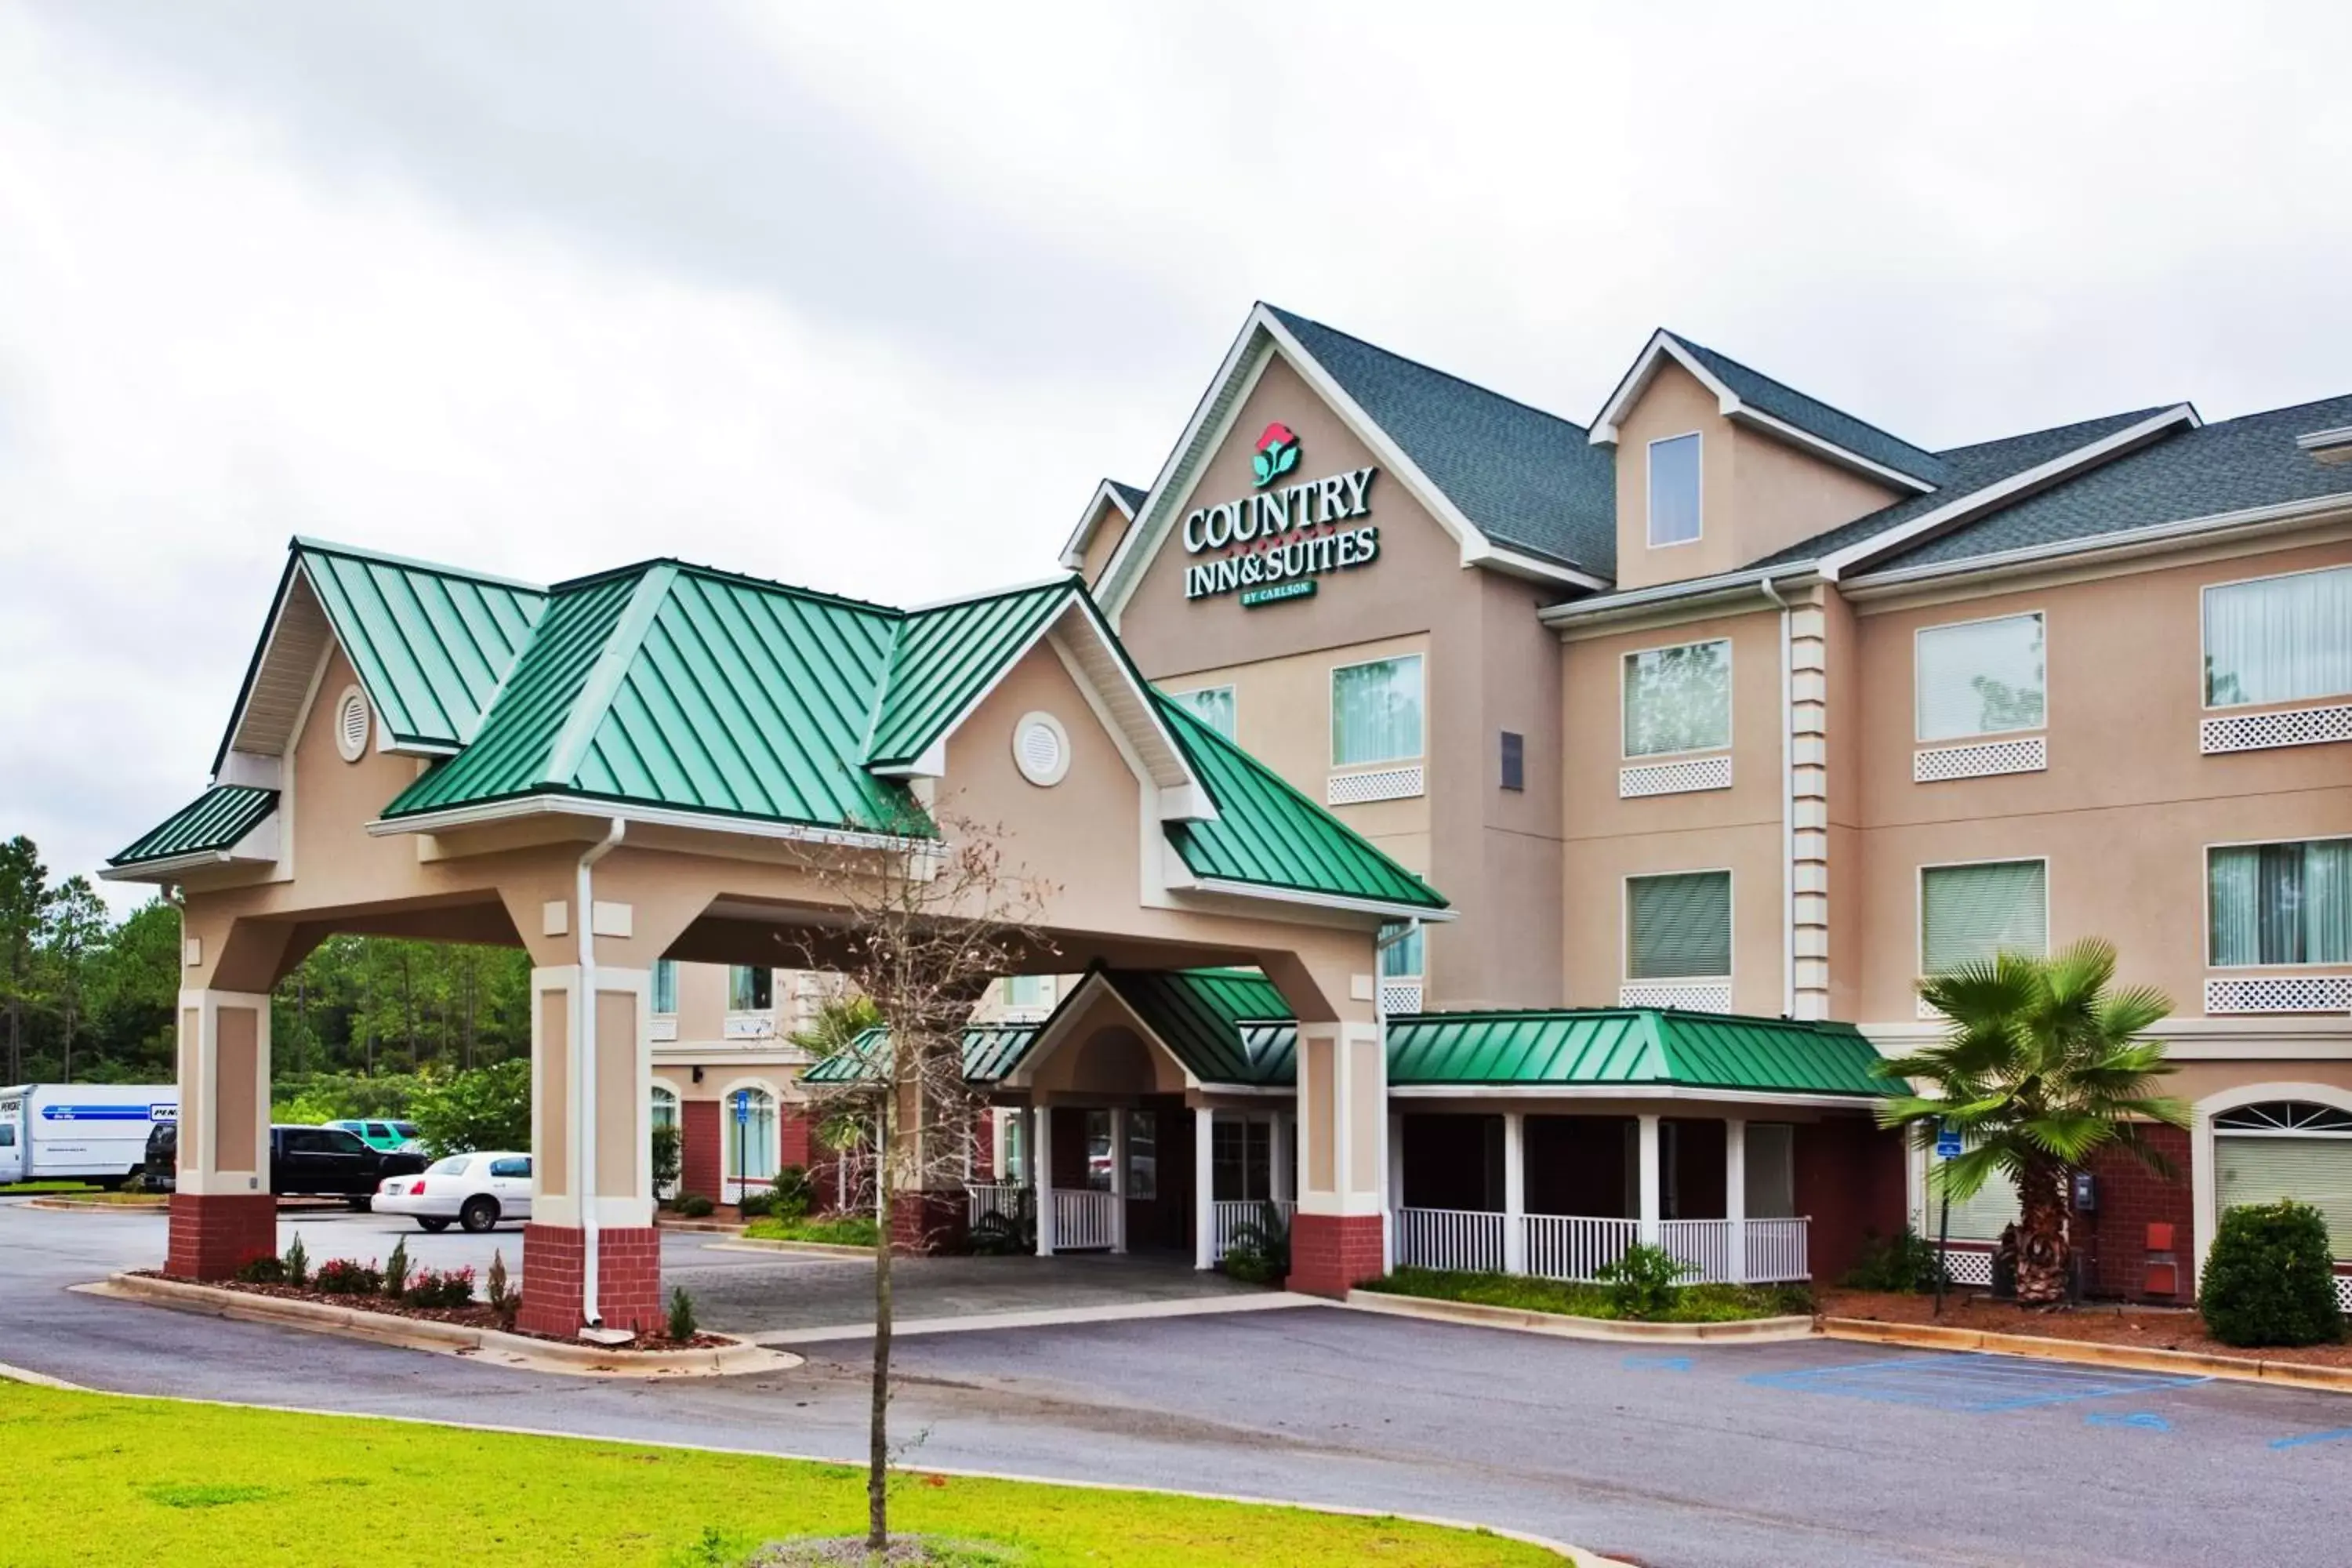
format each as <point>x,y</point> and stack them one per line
<point>742,1105</point>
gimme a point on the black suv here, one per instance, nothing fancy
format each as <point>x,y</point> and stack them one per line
<point>304,1162</point>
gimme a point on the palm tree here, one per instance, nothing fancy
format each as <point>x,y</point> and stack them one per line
<point>2042,1067</point>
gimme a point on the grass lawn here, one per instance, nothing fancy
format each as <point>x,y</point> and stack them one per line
<point>197,1485</point>
<point>848,1232</point>
<point>1692,1303</point>
<point>21,1189</point>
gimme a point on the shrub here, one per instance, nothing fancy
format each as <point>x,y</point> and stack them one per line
<point>693,1205</point>
<point>395,1270</point>
<point>668,1157</point>
<point>1644,1281</point>
<point>449,1289</point>
<point>794,1193</point>
<point>681,1314</point>
<point>1905,1261</point>
<point>297,1262</point>
<point>1259,1251</point>
<point>347,1276</point>
<point>756,1205</point>
<point>503,1297</point>
<point>263,1271</point>
<point>2269,1280</point>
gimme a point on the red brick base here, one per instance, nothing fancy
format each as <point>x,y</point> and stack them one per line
<point>1330,1254</point>
<point>930,1222</point>
<point>701,1152</point>
<point>214,1234</point>
<point>629,1278</point>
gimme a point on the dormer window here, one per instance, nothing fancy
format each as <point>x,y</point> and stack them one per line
<point>1674,491</point>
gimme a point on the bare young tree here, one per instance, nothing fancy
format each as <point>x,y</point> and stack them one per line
<point>928,926</point>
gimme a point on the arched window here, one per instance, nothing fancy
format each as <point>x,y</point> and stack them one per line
<point>664,1105</point>
<point>2294,1149</point>
<point>751,1139</point>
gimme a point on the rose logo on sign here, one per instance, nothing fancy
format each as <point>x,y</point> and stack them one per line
<point>1277,454</point>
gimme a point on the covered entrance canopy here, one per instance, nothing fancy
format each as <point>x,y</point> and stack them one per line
<point>671,762</point>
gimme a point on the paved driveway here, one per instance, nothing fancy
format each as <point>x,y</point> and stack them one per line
<point>1816,1453</point>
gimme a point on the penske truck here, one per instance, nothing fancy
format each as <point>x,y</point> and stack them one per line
<point>80,1131</point>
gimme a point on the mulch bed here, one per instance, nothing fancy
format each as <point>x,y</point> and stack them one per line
<point>904,1551</point>
<point>2144,1327</point>
<point>478,1316</point>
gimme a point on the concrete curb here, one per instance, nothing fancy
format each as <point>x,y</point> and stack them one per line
<point>697,1226</point>
<point>449,1338</point>
<point>1046,1316</point>
<point>83,1206</point>
<point>1573,1555</point>
<point>2092,1352</point>
<point>1751,1331</point>
<point>810,1248</point>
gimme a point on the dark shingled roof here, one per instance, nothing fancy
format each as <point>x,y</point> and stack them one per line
<point>1529,481</point>
<point>1130,494</point>
<point>2226,467</point>
<point>1966,470</point>
<point>1815,418</point>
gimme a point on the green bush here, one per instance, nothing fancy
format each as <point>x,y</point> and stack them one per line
<point>395,1270</point>
<point>693,1205</point>
<point>2270,1279</point>
<point>1905,1261</point>
<point>794,1193</point>
<point>297,1261</point>
<point>842,1230</point>
<point>432,1287</point>
<point>681,1314</point>
<point>1643,1282</point>
<point>263,1271</point>
<point>1259,1251</point>
<point>503,1297</point>
<point>668,1156</point>
<point>756,1205</point>
<point>488,1108</point>
<point>347,1276</point>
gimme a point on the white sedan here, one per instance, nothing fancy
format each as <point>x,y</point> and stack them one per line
<point>475,1190</point>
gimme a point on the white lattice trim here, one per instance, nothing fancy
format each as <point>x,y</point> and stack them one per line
<point>1968,1267</point>
<point>2288,727</point>
<point>662,1027</point>
<point>1980,759</point>
<point>1673,778</point>
<point>2344,1292</point>
<point>1400,995</point>
<point>1698,996</point>
<point>1386,784</point>
<point>2281,993</point>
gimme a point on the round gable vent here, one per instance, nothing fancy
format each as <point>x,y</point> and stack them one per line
<point>352,724</point>
<point>1041,749</point>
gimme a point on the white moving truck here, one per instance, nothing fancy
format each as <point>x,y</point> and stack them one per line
<point>80,1131</point>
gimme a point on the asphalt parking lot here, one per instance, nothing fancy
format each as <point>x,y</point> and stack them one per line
<point>1819,1452</point>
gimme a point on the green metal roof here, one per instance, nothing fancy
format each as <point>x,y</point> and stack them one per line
<point>990,1053</point>
<point>431,644</point>
<point>214,820</point>
<point>1633,1048</point>
<point>944,658</point>
<point>1226,1026</point>
<point>1268,834</point>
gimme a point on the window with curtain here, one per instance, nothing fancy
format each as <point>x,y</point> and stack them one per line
<point>1403,958</point>
<point>1142,1154</point>
<point>1678,699</point>
<point>2279,903</point>
<point>1771,1188</point>
<point>1212,706</point>
<point>1376,711</point>
<point>1969,913</point>
<point>2280,640</point>
<point>749,989</point>
<point>665,985</point>
<point>1980,678</point>
<point>1028,990</point>
<point>1674,489</point>
<point>1678,927</point>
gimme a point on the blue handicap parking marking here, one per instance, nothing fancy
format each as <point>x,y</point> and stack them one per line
<point>2145,1420</point>
<point>2335,1435</point>
<point>1657,1364</point>
<point>1967,1384</point>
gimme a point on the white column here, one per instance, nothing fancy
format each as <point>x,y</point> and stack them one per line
<point>1041,1154</point>
<point>1204,1187</point>
<point>1394,1133</point>
<point>1118,1178</point>
<point>1735,1194</point>
<point>1651,1206</point>
<point>1515,1191</point>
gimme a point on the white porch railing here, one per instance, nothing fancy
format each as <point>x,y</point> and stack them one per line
<point>1467,1239</point>
<point>1227,1216</point>
<point>1008,1198</point>
<point>1575,1248</point>
<point>1084,1219</point>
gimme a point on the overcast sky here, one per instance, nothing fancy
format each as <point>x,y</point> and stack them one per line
<point>868,297</point>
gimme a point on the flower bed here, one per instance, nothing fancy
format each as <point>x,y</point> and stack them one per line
<point>2141,1328</point>
<point>473,1314</point>
<point>1690,1303</point>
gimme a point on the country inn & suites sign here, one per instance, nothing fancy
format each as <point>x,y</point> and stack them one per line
<point>1280,538</point>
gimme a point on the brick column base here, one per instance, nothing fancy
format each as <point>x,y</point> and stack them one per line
<point>1330,1254</point>
<point>701,1149</point>
<point>930,1222</point>
<point>214,1234</point>
<point>628,1280</point>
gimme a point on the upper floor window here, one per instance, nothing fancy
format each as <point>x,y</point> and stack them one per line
<point>1212,706</point>
<point>1678,699</point>
<point>2279,639</point>
<point>1674,489</point>
<point>2279,903</point>
<point>1376,711</point>
<point>1678,927</point>
<point>1969,913</point>
<point>1028,990</point>
<point>1402,958</point>
<point>749,989</point>
<point>665,985</point>
<point>1980,678</point>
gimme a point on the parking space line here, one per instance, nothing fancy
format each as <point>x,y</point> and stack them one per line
<point>1966,1384</point>
<point>2335,1435</point>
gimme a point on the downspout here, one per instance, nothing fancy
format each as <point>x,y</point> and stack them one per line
<point>583,1077</point>
<point>1788,811</point>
